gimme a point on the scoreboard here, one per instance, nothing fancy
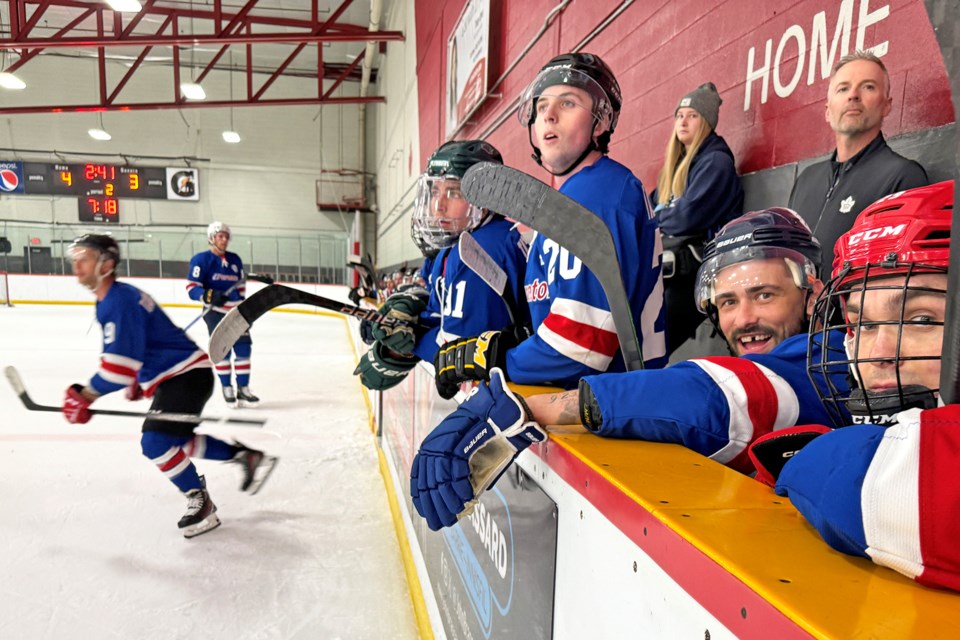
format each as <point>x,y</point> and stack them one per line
<point>99,187</point>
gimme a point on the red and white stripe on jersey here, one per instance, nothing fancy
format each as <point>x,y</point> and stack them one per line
<point>173,462</point>
<point>191,285</point>
<point>119,369</point>
<point>581,332</point>
<point>758,401</point>
<point>911,496</point>
<point>197,360</point>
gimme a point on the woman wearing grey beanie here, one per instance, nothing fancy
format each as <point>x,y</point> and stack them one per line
<point>698,190</point>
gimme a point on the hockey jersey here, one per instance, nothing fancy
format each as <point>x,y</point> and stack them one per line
<point>574,334</point>
<point>140,343</point>
<point>210,271</point>
<point>891,495</point>
<point>468,306</point>
<point>716,406</point>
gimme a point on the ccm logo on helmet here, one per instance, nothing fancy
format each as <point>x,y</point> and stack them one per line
<point>873,234</point>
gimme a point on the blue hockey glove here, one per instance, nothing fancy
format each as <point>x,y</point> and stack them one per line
<point>405,305</point>
<point>380,369</point>
<point>470,359</point>
<point>215,298</point>
<point>469,450</point>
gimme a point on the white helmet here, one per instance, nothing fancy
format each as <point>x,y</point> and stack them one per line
<point>215,228</point>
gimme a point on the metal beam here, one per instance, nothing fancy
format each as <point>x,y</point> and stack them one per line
<point>190,40</point>
<point>202,104</point>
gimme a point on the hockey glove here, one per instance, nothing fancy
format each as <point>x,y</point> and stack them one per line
<point>215,298</point>
<point>133,392</point>
<point>470,359</point>
<point>469,450</point>
<point>771,451</point>
<point>380,369</point>
<point>406,305</point>
<point>76,408</point>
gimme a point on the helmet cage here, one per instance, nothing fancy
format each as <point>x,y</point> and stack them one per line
<point>436,230</point>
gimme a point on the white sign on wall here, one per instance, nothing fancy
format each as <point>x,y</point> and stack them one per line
<point>468,54</point>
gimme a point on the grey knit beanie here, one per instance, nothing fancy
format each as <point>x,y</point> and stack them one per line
<point>705,100</point>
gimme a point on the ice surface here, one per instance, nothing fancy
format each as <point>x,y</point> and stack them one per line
<point>89,545</point>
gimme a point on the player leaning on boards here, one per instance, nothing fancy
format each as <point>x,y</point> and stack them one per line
<point>757,284</point>
<point>217,279</point>
<point>570,111</point>
<point>150,356</point>
<point>461,301</point>
<point>888,494</point>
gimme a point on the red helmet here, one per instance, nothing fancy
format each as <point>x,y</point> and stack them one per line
<point>906,234</point>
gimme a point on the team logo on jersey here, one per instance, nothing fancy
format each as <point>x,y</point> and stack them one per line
<point>846,205</point>
<point>10,181</point>
<point>537,290</point>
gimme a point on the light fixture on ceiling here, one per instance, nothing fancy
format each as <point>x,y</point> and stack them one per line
<point>231,135</point>
<point>10,81</point>
<point>101,133</point>
<point>192,91</point>
<point>125,6</point>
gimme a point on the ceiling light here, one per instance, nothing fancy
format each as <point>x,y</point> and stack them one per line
<point>99,134</point>
<point>192,91</point>
<point>125,6</point>
<point>10,81</point>
<point>231,136</point>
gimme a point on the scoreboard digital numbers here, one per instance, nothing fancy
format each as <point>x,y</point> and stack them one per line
<point>99,187</point>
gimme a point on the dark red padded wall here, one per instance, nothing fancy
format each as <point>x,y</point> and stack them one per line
<point>661,50</point>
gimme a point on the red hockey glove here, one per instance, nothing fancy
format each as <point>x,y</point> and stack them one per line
<point>75,406</point>
<point>770,452</point>
<point>133,392</point>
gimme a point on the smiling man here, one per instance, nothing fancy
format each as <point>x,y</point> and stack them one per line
<point>862,169</point>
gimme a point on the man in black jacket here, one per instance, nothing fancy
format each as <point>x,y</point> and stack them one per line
<point>830,194</point>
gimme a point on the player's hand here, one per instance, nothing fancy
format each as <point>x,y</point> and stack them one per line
<point>771,451</point>
<point>380,368</point>
<point>133,392</point>
<point>470,359</point>
<point>215,298</point>
<point>405,306</point>
<point>469,450</point>
<point>75,406</point>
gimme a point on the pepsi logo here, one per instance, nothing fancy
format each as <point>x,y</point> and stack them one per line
<point>9,180</point>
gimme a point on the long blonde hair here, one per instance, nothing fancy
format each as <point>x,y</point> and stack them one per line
<point>672,181</point>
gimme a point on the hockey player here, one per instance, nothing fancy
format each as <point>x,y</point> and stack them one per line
<point>570,111</point>
<point>217,279</point>
<point>758,283</point>
<point>888,494</point>
<point>465,303</point>
<point>144,352</point>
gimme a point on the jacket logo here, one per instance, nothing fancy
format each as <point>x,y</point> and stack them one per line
<point>846,205</point>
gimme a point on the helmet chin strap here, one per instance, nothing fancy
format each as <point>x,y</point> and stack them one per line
<point>100,276</point>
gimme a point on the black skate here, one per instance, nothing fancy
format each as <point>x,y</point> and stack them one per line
<point>257,467</point>
<point>201,515</point>
<point>230,397</point>
<point>245,397</point>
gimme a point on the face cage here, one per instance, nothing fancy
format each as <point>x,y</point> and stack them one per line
<point>426,222</point>
<point>829,313</point>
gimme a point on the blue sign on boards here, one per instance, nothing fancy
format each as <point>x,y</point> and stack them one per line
<point>493,573</point>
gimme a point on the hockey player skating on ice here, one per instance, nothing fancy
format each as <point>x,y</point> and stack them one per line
<point>890,494</point>
<point>758,283</point>
<point>217,279</point>
<point>461,302</point>
<point>570,111</point>
<point>146,354</point>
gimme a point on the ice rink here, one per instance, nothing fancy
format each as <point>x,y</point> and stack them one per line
<point>89,545</point>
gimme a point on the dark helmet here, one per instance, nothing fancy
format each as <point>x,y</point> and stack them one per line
<point>452,159</point>
<point>104,244</point>
<point>892,245</point>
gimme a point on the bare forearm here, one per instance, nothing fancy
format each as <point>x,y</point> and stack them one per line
<point>555,408</point>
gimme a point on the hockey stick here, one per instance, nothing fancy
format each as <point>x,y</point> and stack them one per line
<point>17,383</point>
<point>521,197</point>
<point>480,262</point>
<point>239,319</point>
<point>206,309</point>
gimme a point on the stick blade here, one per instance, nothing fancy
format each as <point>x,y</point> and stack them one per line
<point>15,380</point>
<point>225,335</point>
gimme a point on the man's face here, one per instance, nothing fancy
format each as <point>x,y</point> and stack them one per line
<point>449,207</point>
<point>85,268</point>
<point>564,125</point>
<point>220,241</point>
<point>759,305</point>
<point>857,100</point>
<point>879,342</point>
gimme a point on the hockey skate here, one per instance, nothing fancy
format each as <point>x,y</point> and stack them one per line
<point>201,515</point>
<point>230,397</point>
<point>245,397</point>
<point>257,467</point>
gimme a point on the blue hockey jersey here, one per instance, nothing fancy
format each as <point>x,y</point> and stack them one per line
<point>574,334</point>
<point>210,271</point>
<point>716,406</point>
<point>140,343</point>
<point>468,306</point>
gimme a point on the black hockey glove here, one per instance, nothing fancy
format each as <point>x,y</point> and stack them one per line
<point>471,359</point>
<point>215,298</point>
<point>379,368</point>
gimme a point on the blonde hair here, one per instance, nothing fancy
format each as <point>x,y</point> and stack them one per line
<point>672,181</point>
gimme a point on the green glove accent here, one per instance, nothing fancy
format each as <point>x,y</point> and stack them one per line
<point>380,369</point>
<point>406,305</point>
